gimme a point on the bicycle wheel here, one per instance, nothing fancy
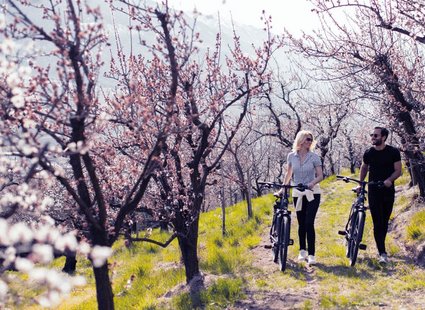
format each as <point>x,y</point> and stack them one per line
<point>357,237</point>
<point>276,229</point>
<point>350,233</point>
<point>284,242</point>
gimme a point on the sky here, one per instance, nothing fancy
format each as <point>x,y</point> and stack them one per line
<point>294,15</point>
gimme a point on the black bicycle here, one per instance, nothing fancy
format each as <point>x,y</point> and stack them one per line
<point>280,231</point>
<point>354,227</point>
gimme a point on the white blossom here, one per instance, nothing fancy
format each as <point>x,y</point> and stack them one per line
<point>29,123</point>
<point>43,253</point>
<point>78,281</point>
<point>54,298</point>
<point>21,233</point>
<point>38,274</point>
<point>53,278</point>
<point>24,71</point>
<point>8,46</point>
<point>44,302</point>
<point>46,202</point>
<point>3,290</point>
<point>23,264</point>
<point>2,21</point>
<point>9,256</point>
<point>99,255</point>
<point>66,242</point>
<point>84,248</point>
<point>4,228</point>
<point>48,220</point>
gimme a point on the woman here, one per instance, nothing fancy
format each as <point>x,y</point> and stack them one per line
<point>304,166</point>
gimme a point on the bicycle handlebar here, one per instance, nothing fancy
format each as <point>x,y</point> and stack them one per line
<point>363,183</point>
<point>278,185</point>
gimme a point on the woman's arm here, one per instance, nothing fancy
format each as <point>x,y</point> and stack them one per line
<point>319,177</point>
<point>288,174</point>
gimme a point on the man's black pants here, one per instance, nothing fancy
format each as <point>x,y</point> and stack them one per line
<point>381,206</point>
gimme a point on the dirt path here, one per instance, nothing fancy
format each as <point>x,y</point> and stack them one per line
<point>279,298</point>
<point>332,282</point>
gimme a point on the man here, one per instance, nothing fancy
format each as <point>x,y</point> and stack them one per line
<point>383,162</point>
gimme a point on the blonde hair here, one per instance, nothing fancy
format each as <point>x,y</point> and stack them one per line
<point>300,139</point>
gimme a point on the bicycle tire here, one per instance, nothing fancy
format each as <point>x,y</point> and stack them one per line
<point>350,234</point>
<point>357,237</point>
<point>276,233</point>
<point>284,242</point>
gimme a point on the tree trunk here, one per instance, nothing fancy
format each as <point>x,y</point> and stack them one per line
<point>104,294</point>
<point>412,150</point>
<point>188,243</point>
<point>223,211</point>
<point>248,194</point>
<point>70,264</point>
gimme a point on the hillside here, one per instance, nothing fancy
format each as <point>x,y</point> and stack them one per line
<point>239,272</point>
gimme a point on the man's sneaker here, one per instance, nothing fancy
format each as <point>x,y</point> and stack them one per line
<point>311,260</point>
<point>303,255</point>
<point>383,258</point>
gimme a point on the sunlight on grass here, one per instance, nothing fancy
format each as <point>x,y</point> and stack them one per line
<point>224,292</point>
<point>416,227</point>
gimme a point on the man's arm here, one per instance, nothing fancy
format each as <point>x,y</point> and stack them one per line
<point>395,175</point>
<point>364,168</point>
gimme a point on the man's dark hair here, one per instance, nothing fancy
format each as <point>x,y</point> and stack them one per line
<point>384,131</point>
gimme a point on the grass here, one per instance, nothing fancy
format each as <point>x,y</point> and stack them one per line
<point>229,261</point>
<point>416,227</point>
<point>218,296</point>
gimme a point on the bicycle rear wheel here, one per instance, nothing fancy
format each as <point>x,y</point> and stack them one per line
<point>357,237</point>
<point>284,242</point>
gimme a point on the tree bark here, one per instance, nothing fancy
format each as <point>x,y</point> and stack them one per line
<point>70,264</point>
<point>189,248</point>
<point>104,294</point>
<point>249,195</point>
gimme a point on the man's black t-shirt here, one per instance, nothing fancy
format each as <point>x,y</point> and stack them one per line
<point>381,163</point>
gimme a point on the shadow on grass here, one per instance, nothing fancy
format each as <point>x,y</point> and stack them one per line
<point>346,271</point>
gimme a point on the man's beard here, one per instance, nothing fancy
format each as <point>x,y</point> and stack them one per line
<point>377,142</point>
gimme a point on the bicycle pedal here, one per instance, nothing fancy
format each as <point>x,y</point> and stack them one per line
<point>291,242</point>
<point>342,232</point>
<point>268,246</point>
<point>362,246</point>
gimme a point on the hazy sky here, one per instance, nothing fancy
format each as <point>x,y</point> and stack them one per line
<point>294,15</point>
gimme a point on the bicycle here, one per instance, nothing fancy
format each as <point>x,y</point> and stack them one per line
<point>280,230</point>
<point>354,227</point>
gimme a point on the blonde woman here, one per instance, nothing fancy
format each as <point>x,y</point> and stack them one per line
<point>305,167</point>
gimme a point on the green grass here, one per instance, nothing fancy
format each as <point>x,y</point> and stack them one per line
<point>218,296</point>
<point>416,227</point>
<point>229,261</point>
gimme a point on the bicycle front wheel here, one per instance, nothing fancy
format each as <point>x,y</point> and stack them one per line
<point>284,242</point>
<point>276,233</point>
<point>357,236</point>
